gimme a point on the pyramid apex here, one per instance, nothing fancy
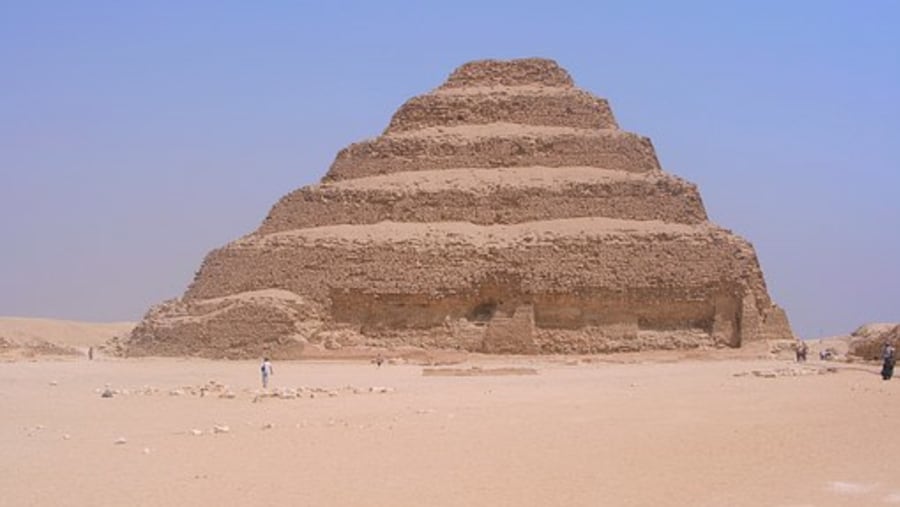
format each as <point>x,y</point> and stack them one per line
<point>518,72</point>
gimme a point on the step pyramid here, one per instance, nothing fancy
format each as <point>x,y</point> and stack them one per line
<point>503,212</point>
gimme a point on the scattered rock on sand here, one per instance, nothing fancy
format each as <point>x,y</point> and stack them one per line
<point>788,372</point>
<point>476,371</point>
<point>196,432</point>
<point>287,394</point>
<point>221,428</point>
<point>120,441</point>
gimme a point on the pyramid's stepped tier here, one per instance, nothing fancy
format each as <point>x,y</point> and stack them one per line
<point>495,145</point>
<point>555,256</point>
<point>555,107</point>
<point>602,277</point>
<point>488,196</point>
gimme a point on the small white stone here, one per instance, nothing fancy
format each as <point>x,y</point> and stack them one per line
<point>120,441</point>
<point>196,432</point>
<point>287,394</point>
<point>67,436</point>
<point>54,383</point>
<point>221,428</point>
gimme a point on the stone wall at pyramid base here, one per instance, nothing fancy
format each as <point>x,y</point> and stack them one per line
<point>252,324</point>
<point>542,287</point>
<point>282,325</point>
<point>584,323</point>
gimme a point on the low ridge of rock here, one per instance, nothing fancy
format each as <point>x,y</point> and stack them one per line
<point>867,341</point>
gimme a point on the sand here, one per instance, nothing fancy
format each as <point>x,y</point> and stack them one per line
<point>613,430</point>
<point>485,181</point>
<point>24,337</point>
<point>469,133</point>
<point>61,332</point>
<point>580,229</point>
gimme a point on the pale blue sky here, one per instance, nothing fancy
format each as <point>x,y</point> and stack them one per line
<point>137,136</point>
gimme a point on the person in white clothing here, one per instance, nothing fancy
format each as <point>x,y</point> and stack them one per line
<point>266,370</point>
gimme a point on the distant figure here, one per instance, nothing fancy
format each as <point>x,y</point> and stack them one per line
<point>801,349</point>
<point>379,360</point>
<point>266,370</point>
<point>888,355</point>
<point>90,353</point>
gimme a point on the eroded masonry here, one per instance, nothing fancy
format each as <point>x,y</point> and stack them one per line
<point>503,212</point>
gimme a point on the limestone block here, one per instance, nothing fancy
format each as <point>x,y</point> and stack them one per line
<point>511,334</point>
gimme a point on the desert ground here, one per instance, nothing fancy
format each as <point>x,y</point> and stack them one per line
<point>698,429</point>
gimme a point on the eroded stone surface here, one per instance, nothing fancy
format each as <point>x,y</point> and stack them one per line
<point>503,212</point>
<point>867,341</point>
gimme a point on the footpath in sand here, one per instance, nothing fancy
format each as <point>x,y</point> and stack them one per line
<point>513,431</point>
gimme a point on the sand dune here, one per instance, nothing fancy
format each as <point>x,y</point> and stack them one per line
<point>64,333</point>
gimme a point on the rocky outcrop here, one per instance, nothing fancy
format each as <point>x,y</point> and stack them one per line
<point>867,340</point>
<point>503,212</point>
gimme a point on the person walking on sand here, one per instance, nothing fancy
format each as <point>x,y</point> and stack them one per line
<point>889,356</point>
<point>800,349</point>
<point>266,370</point>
